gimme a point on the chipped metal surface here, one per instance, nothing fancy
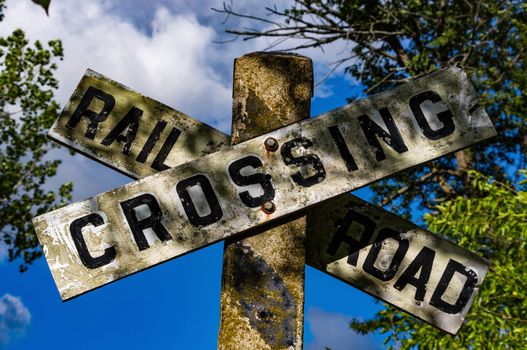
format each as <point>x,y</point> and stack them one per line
<point>164,137</point>
<point>339,176</point>
<point>388,257</point>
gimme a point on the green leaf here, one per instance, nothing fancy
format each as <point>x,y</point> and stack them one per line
<point>27,110</point>
<point>44,4</point>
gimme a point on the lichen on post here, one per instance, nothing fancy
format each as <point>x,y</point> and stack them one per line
<point>262,295</point>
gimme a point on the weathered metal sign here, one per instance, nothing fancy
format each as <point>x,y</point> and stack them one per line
<point>129,132</point>
<point>94,242</point>
<point>340,228</point>
<point>394,260</point>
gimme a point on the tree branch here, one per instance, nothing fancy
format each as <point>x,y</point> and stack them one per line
<point>403,190</point>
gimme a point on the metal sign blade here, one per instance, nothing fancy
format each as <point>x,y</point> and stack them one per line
<point>394,260</point>
<point>131,133</point>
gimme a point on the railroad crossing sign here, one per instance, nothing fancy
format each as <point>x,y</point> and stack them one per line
<point>93,242</point>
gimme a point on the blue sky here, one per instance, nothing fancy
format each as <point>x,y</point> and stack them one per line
<point>164,49</point>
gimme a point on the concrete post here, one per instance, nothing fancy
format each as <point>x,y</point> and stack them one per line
<point>262,295</point>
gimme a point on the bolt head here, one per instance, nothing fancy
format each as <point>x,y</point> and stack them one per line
<point>268,207</point>
<point>271,144</point>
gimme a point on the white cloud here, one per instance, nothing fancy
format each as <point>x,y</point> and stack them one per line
<point>332,330</point>
<point>162,48</point>
<point>171,64</point>
<point>174,63</point>
<point>14,318</point>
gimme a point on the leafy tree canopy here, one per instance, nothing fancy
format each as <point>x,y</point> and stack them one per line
<point>27,110</point>
<point>493,224</point>
<point>43,3</point>
<point>395,41</point>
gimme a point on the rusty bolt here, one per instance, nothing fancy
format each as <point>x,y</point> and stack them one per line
<point>271,144</point>
<point>268,207</point>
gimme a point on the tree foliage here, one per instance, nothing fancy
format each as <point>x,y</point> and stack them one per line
<point>27,110</point>
<point>493,224</point>
<point>392,42</point>
<point>43,3</point>
<point>395,41</point>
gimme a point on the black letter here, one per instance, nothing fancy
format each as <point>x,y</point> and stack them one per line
<point>153,221</point>
<point>76,233</point>
<point>195,219</point>
<point>445,117</point>
<point>373,254</point>
<point>245,180</point>
<point>95,119</point>
<point>372,130</point>
<point>152,140</point>
<point>158,162</point>
<point>131,122</point>
<point>309,159</point>
<point>343,148</point>
<point>423,261</point>
<point>472,279</point>
<point>342,235</point>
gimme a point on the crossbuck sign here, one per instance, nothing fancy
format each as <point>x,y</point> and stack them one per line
<point>199,199</point>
